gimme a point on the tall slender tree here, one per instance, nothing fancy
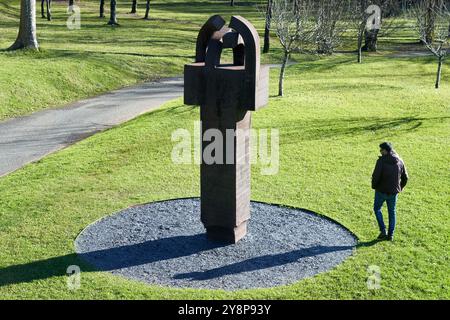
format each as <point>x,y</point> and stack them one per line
<point>49,9</point>
<point>431,9</point>
<point>358,15</point>
<point>266,47</point>
<point>71,4</point>
<point>331,25</point>
<point>102,8</point>
<point>43,9</point>
<point>113,17</point>
<point>293,23</point>
<point>27,29</point>
<point>436,40</point>
<point>133,6</point>
<point>147,10</point>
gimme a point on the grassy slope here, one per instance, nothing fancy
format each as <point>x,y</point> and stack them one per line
<point>331,121</point>
<point>74,64</point>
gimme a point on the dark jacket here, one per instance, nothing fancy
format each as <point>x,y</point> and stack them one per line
<point>389,175</point>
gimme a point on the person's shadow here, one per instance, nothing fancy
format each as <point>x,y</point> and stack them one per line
<point>368,243</point>
<point>148,252</point>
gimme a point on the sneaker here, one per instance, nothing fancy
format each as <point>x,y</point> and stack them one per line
<point>382,236</point>
<point>390,237</point>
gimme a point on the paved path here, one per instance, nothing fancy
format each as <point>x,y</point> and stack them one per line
<point>411,50</point>
<point>29,138</point>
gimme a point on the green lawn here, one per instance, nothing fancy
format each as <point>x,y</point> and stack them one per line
<point>334,116</point>
<point>331,121</point>
<point>74,64</point>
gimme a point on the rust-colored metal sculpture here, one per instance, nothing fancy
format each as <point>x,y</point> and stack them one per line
<point>226,94</point>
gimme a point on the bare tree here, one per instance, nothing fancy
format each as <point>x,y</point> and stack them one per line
<point>133,6</point>
<point>331,25</point>
<point>436,39</point>
<point>102,8</point>
<point>113,17</point>
<point>430,8</point>
<point>266,47</point>
<point>372,19</point>
<point>358,14</point>
<point>147,10</point>
<point>27,28</point>
<point>381,17</point>
<point>48,3</point>
<point>293,23</point>
<point>49,10</point>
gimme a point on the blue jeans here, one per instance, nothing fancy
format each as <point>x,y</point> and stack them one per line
<point>391,201</point>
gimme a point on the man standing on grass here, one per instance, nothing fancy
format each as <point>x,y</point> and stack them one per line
<point>388,179</point>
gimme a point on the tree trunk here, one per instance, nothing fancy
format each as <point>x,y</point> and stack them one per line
<point>371,40</point>
<point>42,9</point>
<point>360,40</point>
<point>133,6</point>
<point>113,17</point>
<point>283,68</point>
<point>147,10</point>
<point>439,72</point>
<point>266,47</point>
<point>49,10</point>
<point>430,20</point>
<point>102,8</point>
<point>48,3</point>
<point>27,28</point>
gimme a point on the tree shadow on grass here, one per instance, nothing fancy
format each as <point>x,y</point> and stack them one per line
<point>92,54</point>
<point>320,129</point>
<point>322,65</point>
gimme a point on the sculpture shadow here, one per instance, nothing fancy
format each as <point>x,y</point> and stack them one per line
<point>108,259</point>
<point>39,270</point>
<point>262,262</point>
<point>147,252</point>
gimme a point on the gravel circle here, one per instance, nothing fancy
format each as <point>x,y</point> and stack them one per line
<point>164,243</point>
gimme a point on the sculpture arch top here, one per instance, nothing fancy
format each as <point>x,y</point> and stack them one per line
<point>214,24</point>
<point>252,50</point>
<point>250,83</point>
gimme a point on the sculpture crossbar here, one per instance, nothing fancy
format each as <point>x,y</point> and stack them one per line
<point>226,94</point>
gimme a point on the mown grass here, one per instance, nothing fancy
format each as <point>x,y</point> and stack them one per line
<point>74,64</point>
<point>331,121</point>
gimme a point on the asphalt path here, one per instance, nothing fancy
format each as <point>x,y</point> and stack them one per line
<point>29,138</point>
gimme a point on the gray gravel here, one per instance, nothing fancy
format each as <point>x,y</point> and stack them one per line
<point>163,243</point>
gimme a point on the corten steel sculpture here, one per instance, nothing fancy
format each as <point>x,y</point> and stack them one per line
<point>226,94</point>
